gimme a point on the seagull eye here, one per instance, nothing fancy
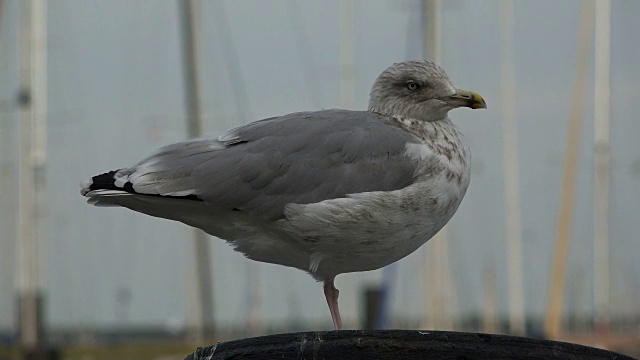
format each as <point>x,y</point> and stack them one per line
<point>412,85</point>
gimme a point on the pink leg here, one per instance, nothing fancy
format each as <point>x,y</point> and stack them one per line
<point>331,293</point>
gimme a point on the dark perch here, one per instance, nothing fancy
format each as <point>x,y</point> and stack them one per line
<point>397,344</point>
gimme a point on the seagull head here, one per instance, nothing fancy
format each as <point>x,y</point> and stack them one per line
<point>419,90</point>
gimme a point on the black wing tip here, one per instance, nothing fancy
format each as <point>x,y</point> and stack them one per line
<point>107,181</point>
<point>104,181</point>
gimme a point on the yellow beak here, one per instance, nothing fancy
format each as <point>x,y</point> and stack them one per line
<point>465,98</point>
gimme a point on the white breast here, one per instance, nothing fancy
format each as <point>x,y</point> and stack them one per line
<point>367,231</point>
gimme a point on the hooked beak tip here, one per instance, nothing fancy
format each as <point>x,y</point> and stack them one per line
<point>466,98</point>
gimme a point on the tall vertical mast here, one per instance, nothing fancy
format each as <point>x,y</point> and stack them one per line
<point>553,319</point>
<point>201,319</point>
<point>31,168</point>
<point>439,289</point>
<point>511,172</point>
<point>602,160</point>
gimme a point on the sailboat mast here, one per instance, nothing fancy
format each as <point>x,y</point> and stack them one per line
<point>602,160</point>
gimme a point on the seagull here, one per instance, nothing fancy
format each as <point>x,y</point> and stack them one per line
<point>327,192</point>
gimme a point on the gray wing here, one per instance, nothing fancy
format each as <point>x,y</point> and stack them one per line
<point>297,158</point>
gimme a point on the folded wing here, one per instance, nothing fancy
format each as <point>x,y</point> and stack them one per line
<point>258,168</point>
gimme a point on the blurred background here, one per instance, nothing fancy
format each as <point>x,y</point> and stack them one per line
<point>545,243</point>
